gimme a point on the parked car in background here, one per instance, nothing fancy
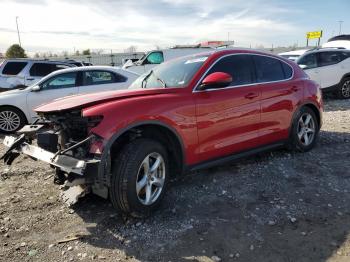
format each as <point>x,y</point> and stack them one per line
<point>16,106</point>
<point>189,113</point>
<point>330,68</point>
<point>19,73</point>
<point>156,57</point>
<point>73,62</point>
<point>293,55</point>
<point>338,41</point>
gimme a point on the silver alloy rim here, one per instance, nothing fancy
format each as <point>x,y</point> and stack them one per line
<point>345,90</point>
<point>9,121</point>
<point>306,129</point>
<point>150,179</point>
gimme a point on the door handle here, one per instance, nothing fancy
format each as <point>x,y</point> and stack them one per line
<point>30,78</point>
<point>251,95</point>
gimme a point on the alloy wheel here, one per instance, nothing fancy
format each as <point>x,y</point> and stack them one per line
<point>345,89</point>
<point>9,121</point>
<point>150,178</point>
<point>306,129</point>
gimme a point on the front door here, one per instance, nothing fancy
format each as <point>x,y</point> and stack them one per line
<point>309,64</point>
<point>228,118</point>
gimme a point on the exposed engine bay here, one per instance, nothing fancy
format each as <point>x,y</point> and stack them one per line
<point>63,141</point>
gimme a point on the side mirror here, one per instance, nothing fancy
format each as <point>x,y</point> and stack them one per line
<point>303,66</point>
<point>216,80</point>
<point>36,88</point>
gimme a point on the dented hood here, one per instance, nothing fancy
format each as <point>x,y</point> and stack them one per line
<point>85,100</point>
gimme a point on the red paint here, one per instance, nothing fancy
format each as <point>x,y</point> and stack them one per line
<point>211,124</point>
<point>217,78</point>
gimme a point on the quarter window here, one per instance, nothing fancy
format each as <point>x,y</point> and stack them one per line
<point>288,71</point>
<point>13,68</point>
<point>240,67</point>
<point>268,69</point>
<point>61,81</point>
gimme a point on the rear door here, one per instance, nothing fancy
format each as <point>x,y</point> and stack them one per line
<point>55,87</point>
<point>279,96</point>
<point>228,118</point>
<point>101,80</point>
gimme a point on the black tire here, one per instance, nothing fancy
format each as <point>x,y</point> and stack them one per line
<point>125,172</point>
<point>19,118</point>
<point>297,144</point>
<point>343,90</point>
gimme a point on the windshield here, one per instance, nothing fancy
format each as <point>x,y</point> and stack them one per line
<point>176,73</point>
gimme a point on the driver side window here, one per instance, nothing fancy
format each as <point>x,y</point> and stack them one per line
<point>60,81</point>
<point>240,67</point>
<point>310,61</point>
<point>155,58</point>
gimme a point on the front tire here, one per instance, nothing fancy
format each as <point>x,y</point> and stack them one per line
<point>343,91</point>
<point>11,119</point>
<point>139,177</point>
<point>304,130</point>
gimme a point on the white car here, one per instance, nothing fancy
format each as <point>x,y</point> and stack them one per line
<point>156,57</point>
<point>23,72</point>
<point>330,68</point>
<point>338,41</point>
<point>16,106</point>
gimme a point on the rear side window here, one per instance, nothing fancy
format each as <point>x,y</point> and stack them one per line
<point>101,77</point>
<point>43,69</point>
<point>13,68</point>
<point>268,69</point>
<point>240,67</point>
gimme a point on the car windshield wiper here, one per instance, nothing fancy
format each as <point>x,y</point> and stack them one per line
<point>144,81</point>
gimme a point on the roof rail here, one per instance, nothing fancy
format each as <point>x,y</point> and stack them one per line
<point>320,48</point>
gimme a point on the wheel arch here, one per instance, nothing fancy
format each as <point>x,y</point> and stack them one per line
<point>152,129</point>
<point>17,108</point>
<point>313,107</point>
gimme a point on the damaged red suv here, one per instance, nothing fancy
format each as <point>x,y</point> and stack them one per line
<point>186,114</point>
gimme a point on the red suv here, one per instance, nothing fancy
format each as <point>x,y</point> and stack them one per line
<point>188,113</point>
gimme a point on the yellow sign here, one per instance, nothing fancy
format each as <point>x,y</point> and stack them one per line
<point>313,35</point>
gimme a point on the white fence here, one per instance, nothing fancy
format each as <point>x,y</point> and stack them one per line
<point>115,59</point>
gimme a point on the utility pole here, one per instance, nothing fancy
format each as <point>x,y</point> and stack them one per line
<point>340,24</point>
<point>19,38</point>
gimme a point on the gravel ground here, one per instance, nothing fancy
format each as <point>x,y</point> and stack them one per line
<point>276,206</point>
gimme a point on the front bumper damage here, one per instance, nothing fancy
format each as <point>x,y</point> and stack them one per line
<point>80,173</point>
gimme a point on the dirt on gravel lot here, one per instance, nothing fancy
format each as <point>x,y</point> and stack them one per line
<point>277,206</point>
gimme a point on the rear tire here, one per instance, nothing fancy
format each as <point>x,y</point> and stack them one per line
<point>304,130</point>
<point>343,91</point>
<point>140,176</point>
<point>11,119</point>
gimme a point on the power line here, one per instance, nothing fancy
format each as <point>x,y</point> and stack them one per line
<point>19,38</point>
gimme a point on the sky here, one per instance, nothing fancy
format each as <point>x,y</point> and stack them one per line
<point>68,25</point>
